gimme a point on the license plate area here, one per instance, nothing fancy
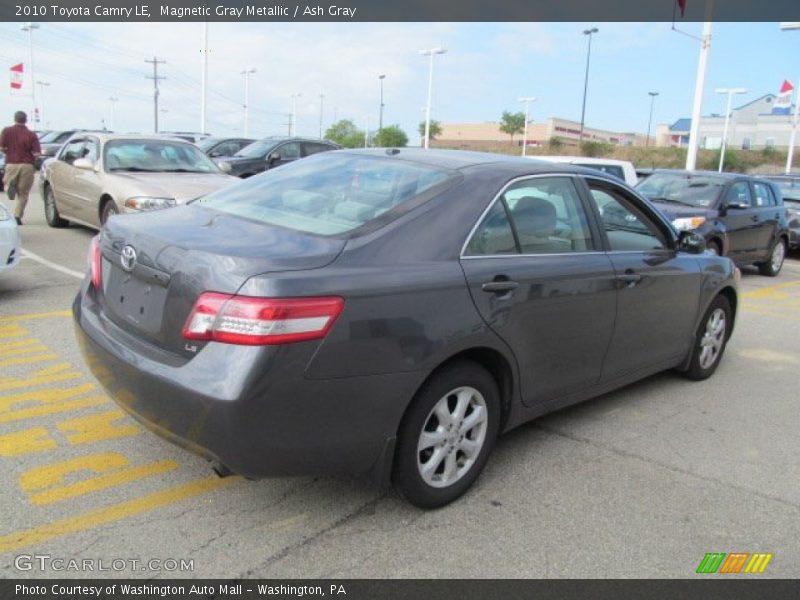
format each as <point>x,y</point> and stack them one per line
<point>134,301</point>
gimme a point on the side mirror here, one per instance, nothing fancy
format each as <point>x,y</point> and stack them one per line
<point>737,205</point>
<point>83,163</point>
<point>273,157</point>
<point>225,167</point>
<point>691,242</point>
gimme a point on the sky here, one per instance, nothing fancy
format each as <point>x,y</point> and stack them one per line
<point>487,68</point>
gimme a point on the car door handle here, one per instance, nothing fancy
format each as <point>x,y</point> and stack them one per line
<point>500,287</point>
<point>630,279</point>
<point>754,218</point>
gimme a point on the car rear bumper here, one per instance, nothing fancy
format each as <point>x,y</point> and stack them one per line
<point>9,245</point>
<point>250,408</point>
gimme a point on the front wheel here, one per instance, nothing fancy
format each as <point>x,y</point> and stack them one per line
<point>447,435</point>
<point>51,210</point>
<point>109,208</point>
<point>710,340</point>
<point>774,263</point>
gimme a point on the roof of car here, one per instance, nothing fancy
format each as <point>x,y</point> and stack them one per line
<point>107,137</point>
<point>724,174</point>
<point>587,160</point>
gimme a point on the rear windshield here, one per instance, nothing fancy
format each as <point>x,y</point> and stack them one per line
<point>689,189</point>
<point>327,194</point>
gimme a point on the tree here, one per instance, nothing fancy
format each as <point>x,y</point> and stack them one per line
<point>391,137</point>
<point>345,133</point>
<point>435,129</point>
<point>512,123</point>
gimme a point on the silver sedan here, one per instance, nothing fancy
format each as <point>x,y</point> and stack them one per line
<point>96,175</point>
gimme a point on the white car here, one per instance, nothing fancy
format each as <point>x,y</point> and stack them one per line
<point>9,240</point>
<point>622,169</point>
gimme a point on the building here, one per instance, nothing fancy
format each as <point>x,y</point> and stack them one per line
<point>539,134</point>
<point>752,125</point>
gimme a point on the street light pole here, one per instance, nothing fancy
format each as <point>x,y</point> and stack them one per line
<point>431,52</point>
<point>42,85</point>
<point>380,113</point>
<point>588,32</point>
<point>204,80</point>
<point>29,27</point>
<point>527,100</point>
<point>700,83</point>
<point>650,120</point>
<point>113,100</point>
<point>294,114</point>
<point>730,92</point>
<point>247,72</point>
<point>321,100</point>
<point>796,119</point>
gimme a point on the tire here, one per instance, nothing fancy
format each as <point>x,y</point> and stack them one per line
<point>710,340</point>
<point>714,247</point>
<point>109,208</point>
<point>467,394</point>
<point>51,210</point>
<point>772,266</point>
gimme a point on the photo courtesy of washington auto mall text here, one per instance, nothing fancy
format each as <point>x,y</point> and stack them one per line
<point>422,299</point>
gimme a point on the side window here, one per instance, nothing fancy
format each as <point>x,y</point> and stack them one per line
<point>548,216</point>
<point>627,229</point>
<point>739,193</point>
<point>317,148</point>
<point>289,151</point>
<point>91,150</point>
<point>763,195</point>
<point>494,235</point>
<point>71,150</point>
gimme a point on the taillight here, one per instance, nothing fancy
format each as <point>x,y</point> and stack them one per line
<point>96,262</point>
<point>260,321</point>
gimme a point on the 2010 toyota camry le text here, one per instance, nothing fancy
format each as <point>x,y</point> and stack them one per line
<point>391,312</point>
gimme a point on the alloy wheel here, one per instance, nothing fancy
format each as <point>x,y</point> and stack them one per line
<point>713,339</point>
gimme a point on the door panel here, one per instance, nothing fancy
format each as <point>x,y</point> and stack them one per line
<point>768,213</point>
<point>741,223</point>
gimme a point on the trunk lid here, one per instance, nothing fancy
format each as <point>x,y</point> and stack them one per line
<point>184,251</point>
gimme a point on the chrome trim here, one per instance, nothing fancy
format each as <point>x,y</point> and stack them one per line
<point>496,198</point>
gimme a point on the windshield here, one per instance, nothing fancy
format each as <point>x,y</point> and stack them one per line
<point>681,188</point>
<point>53,137</point>
<point>257,149</point>
<point>159,156</point>
<point>327,194</point>
<point>206,144</point>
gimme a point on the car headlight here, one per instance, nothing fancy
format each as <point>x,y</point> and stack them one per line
<point>149,203</point>
<point>687,223</point>
<point>224,165</point>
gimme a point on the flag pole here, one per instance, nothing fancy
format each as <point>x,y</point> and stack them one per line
<point>790,155</point>
<point>694,132</point>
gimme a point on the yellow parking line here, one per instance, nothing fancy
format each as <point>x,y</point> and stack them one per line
<point>771,290</point>
<point>52,409</point>
<point>32,316</point>
<point>59,372</point>
<point>110,514</point>
<point>27,360</point>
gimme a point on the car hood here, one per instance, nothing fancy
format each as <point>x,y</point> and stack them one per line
<point>181,186</point>
<point>677,211</point>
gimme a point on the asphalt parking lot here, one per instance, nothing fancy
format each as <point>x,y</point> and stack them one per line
<point>642,482</point>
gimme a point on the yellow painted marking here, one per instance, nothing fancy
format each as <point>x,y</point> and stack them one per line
<point>13,330</point>
<point>110,514</point>
<point>758,563</point>
<point>10,362</point>
<point>773,292</point>
<point>25,346</point>
<point>44,396</point>
<point>28,441</point>
<point>96,428</point>
<point>32,316</point>
<point>113,469</point>
<point>766,355</point>
<point>52,409</point>
<point>59,372</point>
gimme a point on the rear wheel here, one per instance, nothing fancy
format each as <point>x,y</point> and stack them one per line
<point>51,210</point>
<point>109,208</point>
<point>447,435</point>
<point>714,247</point>
<point>772,266</point>
<point>710,339</point>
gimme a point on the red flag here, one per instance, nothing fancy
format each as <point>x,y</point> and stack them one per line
<point>682,6</point>
<point>16,73</point>
<point>786,87</point>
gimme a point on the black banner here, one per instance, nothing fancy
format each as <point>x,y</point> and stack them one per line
<point>398,11</point>
<point>367,589</point>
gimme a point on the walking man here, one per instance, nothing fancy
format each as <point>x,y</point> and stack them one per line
<point>21,147</point>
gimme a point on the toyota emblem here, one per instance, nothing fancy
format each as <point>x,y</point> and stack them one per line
<point>128,258</point>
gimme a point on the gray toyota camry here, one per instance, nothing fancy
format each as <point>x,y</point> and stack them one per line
<point>391,312</point>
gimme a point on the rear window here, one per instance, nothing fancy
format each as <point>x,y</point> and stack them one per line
<point>327,194</point>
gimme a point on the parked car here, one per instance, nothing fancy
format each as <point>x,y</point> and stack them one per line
<point>216,147</point>
<point>790,189</point>
<point>9,240</point>
<point>272,152</point>
<point>392,311</point>
<point>95,176</point>
<point>740,216</point>
<point>189,136</point>
<point>622,169</point>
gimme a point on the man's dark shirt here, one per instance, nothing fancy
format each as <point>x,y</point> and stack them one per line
<point>20,144</point>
